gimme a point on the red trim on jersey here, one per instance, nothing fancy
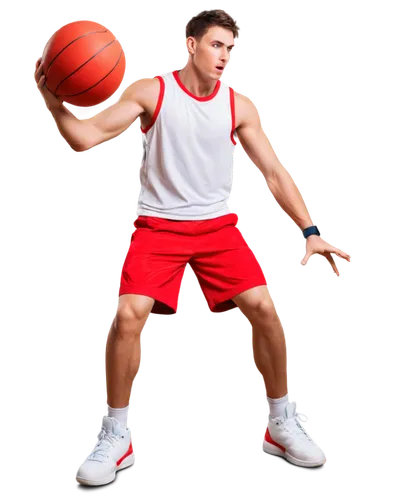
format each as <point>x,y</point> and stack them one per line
<point>198,98</point>
<point>158,107</point>
<point>232,100</point>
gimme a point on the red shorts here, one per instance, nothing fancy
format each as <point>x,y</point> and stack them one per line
<point>215,249</point>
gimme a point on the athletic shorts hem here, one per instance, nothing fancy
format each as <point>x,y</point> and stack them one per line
<point>160,306</point>
<point>224,301</point>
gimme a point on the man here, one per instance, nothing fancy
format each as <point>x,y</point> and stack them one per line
<point>189,122</point>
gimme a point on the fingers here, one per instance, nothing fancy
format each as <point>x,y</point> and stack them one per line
<point>333,265</point>
<point>342,254</point>
<point>37,64</point>
<point>306,257</point>
<point>38,68</point>
<point>41,82</point>
<point>39,76</point>
<point>337,272</point>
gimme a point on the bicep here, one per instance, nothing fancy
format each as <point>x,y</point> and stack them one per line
<point>256,143</point>
<point>113,120</point>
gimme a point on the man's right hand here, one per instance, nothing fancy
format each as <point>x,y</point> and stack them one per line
<point>51,100</point>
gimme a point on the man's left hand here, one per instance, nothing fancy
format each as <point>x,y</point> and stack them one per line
<point>315,244</point>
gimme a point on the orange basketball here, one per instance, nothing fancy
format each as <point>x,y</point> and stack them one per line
<point>83,63</point>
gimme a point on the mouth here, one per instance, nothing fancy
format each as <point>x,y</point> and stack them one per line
<point>220,68</point>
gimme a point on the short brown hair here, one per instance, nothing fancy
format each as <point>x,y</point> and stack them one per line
<point>200,24</point>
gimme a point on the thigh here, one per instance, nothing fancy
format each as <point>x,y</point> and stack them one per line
<point>154,267</point>
<point>225,266</point>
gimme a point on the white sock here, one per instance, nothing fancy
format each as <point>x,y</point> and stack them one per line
<point>277,406</point>
<point>121,414</point>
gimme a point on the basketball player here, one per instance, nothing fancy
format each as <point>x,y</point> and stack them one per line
<point>190,123</point>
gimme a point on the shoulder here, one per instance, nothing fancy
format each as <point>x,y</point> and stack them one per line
<point>144,92</point>
<point>144,89</point>
<point>245,110</point>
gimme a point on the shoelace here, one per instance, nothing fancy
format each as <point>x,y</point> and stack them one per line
<point>299,420</point>
<point>304,433</point>
<point>105,441</point>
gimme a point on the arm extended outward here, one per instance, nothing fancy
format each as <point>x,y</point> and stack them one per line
<point>284,190</point>
<point>259,149</point>
<point>112,121</point>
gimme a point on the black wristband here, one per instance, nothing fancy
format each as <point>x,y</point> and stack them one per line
<point>311,230</point>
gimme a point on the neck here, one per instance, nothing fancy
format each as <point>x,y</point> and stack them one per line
<point>196,83</point>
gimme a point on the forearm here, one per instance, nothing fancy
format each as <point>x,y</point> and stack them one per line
<point>70,127</point>
<point>289,198</point>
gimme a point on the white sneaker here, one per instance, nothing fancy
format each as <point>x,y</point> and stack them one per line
<point>112,453</point>
<point>286,437</point>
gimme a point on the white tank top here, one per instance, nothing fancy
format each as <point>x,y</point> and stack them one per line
<point>187,165</point>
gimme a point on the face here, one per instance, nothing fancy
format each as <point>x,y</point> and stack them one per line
<point>213,50</point>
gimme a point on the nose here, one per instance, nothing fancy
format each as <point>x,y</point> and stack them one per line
<point>226,56</point>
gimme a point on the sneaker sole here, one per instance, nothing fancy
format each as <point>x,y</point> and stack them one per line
<point>274,450</point>
<point>130,460</point>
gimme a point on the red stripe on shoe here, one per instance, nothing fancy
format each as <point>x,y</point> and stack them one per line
<point>270,440</point>
<point>129,452</point>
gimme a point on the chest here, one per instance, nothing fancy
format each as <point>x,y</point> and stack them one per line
<point>208,121</point>
<point>188,115</point>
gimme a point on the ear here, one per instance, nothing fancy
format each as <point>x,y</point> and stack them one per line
<point>190,44</point>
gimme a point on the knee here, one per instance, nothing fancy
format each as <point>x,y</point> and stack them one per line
<point>264,311</point>
<point>130,319</point>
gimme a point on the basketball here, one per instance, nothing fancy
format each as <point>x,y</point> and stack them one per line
<point>83,63</point>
